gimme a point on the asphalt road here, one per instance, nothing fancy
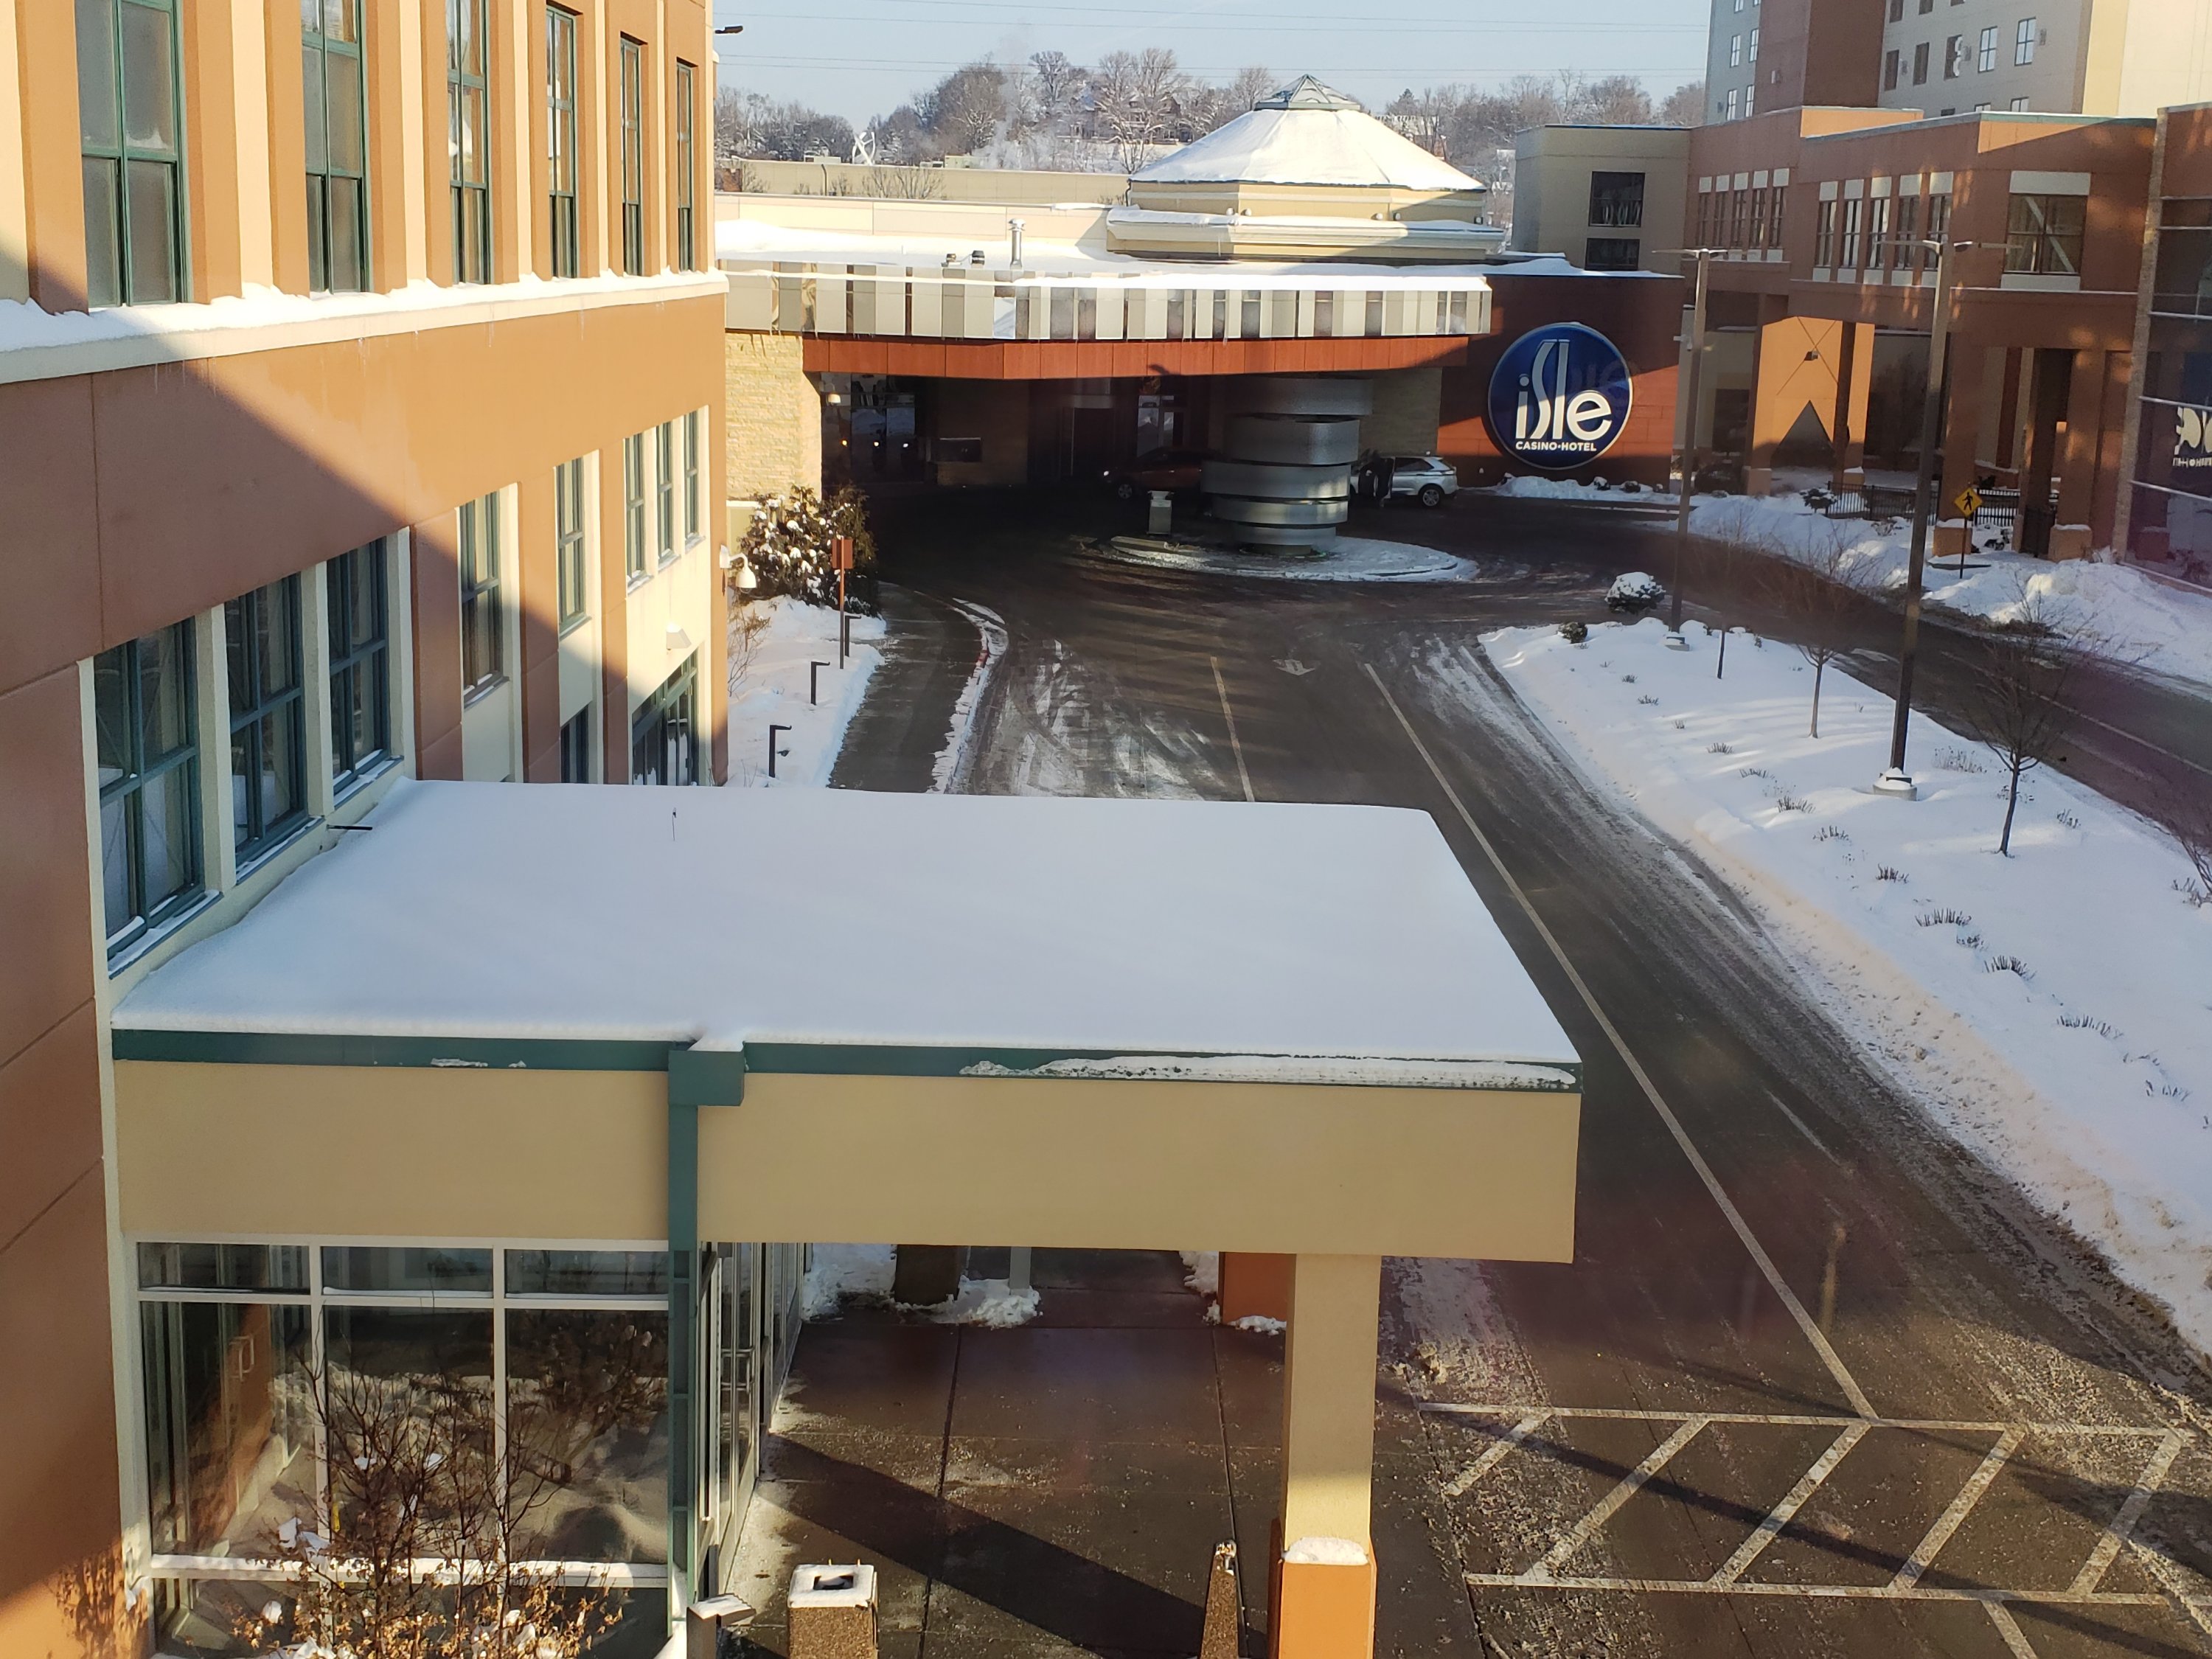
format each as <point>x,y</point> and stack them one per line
<point>1818,1380</point>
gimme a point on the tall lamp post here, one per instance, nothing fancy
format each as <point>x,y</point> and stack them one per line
<point>1896,781</point>
<point>1687,419</point>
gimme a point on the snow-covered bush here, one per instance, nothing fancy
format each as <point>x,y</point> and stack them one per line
<point>1634,593</point>
<point>1574,632</point>
<point>788,545</point>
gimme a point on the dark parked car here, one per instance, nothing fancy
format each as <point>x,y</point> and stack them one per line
<point>1157,469</point>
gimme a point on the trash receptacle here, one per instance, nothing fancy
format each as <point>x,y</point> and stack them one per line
<point>712,1626</point>
<point>1160,518</point>
<point>832,1612</point>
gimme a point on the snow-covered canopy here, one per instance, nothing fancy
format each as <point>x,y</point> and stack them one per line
<point>1305,134</point>
<point>1304,943</point>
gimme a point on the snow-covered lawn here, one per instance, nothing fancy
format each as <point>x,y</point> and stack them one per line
<point>2114,609</point>
<point>2054,1008</point>
<point>768,683</point>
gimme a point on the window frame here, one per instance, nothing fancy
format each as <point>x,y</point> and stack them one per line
<point>477,555</point>
<point>469,198</point>
<point>2024,43</point>
<point>571,548</point>
<point>1954,57</point>
<point>253,706</point>
<point>634,499</point>
<point>1889,68</point>
<point>317,50</point>
<point>665,518</point>
<point>1985,50</point>
<point>346,661</point>
<point>687,114</point>
<point>694,517</point>
<point>119,157</point>
<point>2049,246</point>
<point>146,922</point>
<point>630,123</point>
<point>564,235</point>
<point>1614,200</point>
<point>1920,54</point>
<point>575,746</point>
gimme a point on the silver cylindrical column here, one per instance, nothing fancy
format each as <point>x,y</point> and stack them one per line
<point>1285,477</point>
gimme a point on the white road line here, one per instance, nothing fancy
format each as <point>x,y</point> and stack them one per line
<point>1229,718</point>
<point>1629,1485</point>
<point>1804,1419</point>
<point>1821,1592</point>
<point>2009,1627</point>
<point>1786,1511</point>
<point>2142,742</point>
<point>1853,1394</point>
<point>2155,1561</point>
<point>1803,1128</point>
<point>2108,1547</point>
<point>1952,1518</point>
<point>1494,1454</point>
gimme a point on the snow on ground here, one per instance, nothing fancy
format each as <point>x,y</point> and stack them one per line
<point>2115,609</point>
<point>1574,489</point>
<point>768,683</point>
<point>1349,559</point>
<point>865,1272</point>
<point>950,775</point>
<point>2051,1008</point>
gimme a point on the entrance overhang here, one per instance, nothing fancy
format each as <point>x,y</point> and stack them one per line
<point>1077,360</point>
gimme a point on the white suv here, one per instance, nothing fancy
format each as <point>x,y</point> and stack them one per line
<point>1429,479</point>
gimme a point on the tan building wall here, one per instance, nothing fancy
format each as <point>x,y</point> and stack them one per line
<point>1551,169</point>
<point>775,419</point>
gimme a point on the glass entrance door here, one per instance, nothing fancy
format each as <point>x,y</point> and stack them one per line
<point>728,1404</point>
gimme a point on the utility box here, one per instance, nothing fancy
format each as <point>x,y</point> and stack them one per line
<point>923,1275</point>
<point>711,1626</point>
<point>1160,519</point>
<point>832,1612</point>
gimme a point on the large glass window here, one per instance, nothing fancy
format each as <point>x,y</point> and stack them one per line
<point>633,156</point>
<point>663,737</point>
<point>338,145</point>
<point>229,1422</point>
<point>634,504</point>
<point>692,500</point>
<point>129,97</point>
<point>1986,50</point>
<point>686,186</point>
<point>587,1416</point>
<point>468,133</point>
<point>2043,235</point>
<point>2023,42</point>
<point>267,716</point>
<point>561,138</point>
<point>663,488</point>
<point>576,747</point>
<point>360,664</point>
<point>147,743</point>
<point>483,603</point>
<point>1616,198</point>
<point>568,545</point>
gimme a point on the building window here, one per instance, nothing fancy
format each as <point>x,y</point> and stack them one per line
<point>1616,198</point>
<point>686,114</point>
<point>336,124</point>
<point>1954,57</point>
<point>1610,253</point>
<point>1751,47</point>
<point>1736,51</point>
<point>1889,70</point>
<point>267,716</point>
<point>663,742</point>
<point>1878,244</point>
<point>129,93</point>
<point>633,156</point>
<point>1750,93</point>
<point>147,753</point>
<point>2019,103</point>
<point>634,504</point>
<point>1927,6</point>
<point>360,664</point>
<point>568,541</point>
<point>484,606</point>
<point>1905,247</point>
<point>2043,235</point>
<point>2023,42</point>
<point>1939,217</point>
<point>1897,11</point>
<point>691,495</point>
<point>1735,102</point>
<point>1824,235</point>
<point>663,488</point>
<point>468,133</point>
<point>1849,254</point>
<point>576,747</point>
<point>1986,50</point>
<point>561,139</point>
<point>1920,64</point>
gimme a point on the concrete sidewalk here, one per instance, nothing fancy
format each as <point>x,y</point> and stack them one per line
<point>1058,1489</point>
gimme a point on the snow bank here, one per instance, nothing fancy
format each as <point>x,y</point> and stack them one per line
<point>2115,609</point>
<point>836,1271</point>
<point>2049,1007</point>
<point>1575,489</point>
<point>989,1301</point>
<point>1201,1271</point>
<point>768,683</point>
<point>1327,1552</point>
<point>949,774</point>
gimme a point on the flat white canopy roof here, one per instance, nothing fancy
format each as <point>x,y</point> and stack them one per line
<point>1288,943</point>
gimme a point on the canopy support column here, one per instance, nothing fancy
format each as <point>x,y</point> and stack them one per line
<point>1324,1571</point>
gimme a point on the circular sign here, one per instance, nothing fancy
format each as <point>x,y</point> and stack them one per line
<point>1559,396</point>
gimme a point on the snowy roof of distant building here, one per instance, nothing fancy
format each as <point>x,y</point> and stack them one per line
<point>1305,134</point>
<point>1271,941</point>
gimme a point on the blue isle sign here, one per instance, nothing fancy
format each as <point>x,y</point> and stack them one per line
<point>1559,396</point>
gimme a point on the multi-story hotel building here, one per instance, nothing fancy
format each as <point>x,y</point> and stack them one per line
<point>360,419</point>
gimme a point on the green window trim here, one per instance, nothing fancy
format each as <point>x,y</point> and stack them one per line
<point>691,498</point>
<point>468,133</point>
<point>686,186</point>
<point>633,156</point>
<point>334,79</point>
<point>147,749</point>
<point>633,505</point>
<point>262,642</point>
<point>131,111</point>
<point>568,544</point>
<point>483,603</point>
<point>663,488</point>
<point>358,584</point>
<point>564,248</point>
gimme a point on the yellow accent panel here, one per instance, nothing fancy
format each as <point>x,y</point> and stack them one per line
<point>1328,1397</point>
<point>430,1152</point>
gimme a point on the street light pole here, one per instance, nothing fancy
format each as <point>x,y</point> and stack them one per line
<point>1687,418</point>
<point>1897,781</point>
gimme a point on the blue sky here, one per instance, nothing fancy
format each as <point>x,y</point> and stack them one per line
<point>860,58</point>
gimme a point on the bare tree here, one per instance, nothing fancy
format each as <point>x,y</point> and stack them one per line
<point>1138,96</point>
<point>1245,89</point>
<point>1616,100</point>
<point>1056,82</point>
<point>1824,589</point>
<point>965,110</point>
<point>1685,106</point>
<point>2022,703</point>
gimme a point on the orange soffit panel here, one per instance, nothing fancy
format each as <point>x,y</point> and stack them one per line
<point>1078,359</point>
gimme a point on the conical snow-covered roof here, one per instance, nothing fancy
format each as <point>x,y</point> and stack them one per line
<point>1305,134</point>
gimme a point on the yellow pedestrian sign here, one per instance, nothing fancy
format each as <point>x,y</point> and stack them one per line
<point>1968,501</point>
